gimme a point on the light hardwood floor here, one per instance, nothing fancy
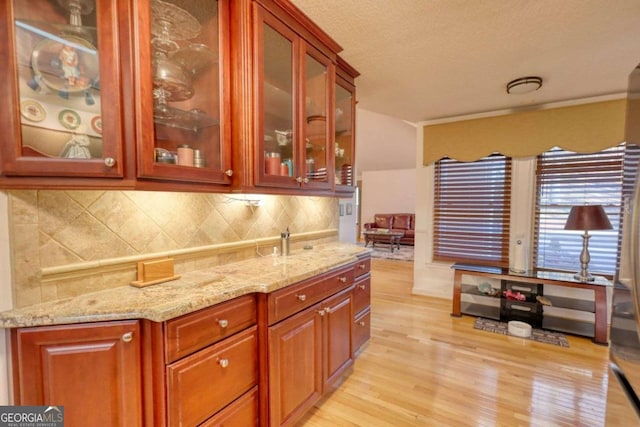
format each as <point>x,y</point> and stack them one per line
<point>423,367</point>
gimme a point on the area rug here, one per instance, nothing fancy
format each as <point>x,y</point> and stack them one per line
<point>382,251</point>
<point>539,335</point>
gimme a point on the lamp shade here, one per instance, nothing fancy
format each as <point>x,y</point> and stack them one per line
<point>587,217</point>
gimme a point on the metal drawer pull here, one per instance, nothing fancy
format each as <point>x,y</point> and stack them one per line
<point>361,266</point>
<point>363,287</point>
<point>223,323</point>
<point>327,310</point>
<point>320,312</point>
<point>361,323</point>
<point>343,279</point>
<point>302,297</point>
<point>224,363</point>
<point>128,337</point>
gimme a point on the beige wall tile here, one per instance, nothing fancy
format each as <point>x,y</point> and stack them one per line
<point>51,228</point>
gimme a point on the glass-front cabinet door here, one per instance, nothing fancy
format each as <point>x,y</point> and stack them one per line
<point>318,159</point>
<point>62,108</point>
<point>293,101</point>
<point>276,155</point>
<point>344,138</point>
<point>183,114</point>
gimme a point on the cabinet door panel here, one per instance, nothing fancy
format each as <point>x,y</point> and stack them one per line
<point>53,366</point>
<point>318,120</point>
<point>338,319</point>
<point>63,105</point>
<point>344,142</point>
<point>295,365</point>
<point>184,91</point>
<point>276,66</point>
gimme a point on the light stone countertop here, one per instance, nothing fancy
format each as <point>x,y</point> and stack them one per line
<point>191,292</point>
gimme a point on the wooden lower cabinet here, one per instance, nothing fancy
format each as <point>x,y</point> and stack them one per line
<point>93,370</point>
<point>256,360</point>
<point>307,352</point>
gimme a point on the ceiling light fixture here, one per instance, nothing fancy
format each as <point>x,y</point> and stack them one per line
<point>524,85</point>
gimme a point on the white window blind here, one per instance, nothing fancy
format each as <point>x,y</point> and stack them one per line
<point>471,211</point>
<point>566,179</point>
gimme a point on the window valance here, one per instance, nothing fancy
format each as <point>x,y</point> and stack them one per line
<point>585,128</point>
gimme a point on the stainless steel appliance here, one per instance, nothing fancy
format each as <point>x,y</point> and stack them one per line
<point>623,403</point>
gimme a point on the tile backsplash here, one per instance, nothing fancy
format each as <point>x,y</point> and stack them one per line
<point>97,230</point>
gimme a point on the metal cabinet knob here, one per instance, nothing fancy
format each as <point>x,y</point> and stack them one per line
<point>223,323</point>
<point>302,297</point>
<point>320,312</point>
<point>228,172</point>
<point>343,279</point>
<point>363,287</point>
<point>224,363</point>
<point>299,180</point>
<point>128,337</point>
<point>327,310</point>
<point>305,180</point>
<point>109,162</point>
<point>361,323</point>
<point>361,266</point>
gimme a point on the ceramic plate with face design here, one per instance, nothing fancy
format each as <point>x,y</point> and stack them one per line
<point>68,64</point>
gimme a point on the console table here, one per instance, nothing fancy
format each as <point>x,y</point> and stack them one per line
<point>597,330</point>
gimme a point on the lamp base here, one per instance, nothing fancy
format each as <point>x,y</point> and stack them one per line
<point>584,278</point>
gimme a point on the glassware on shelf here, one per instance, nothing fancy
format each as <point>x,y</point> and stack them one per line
<point>192,120</point>
<point>194,58</point>
<point>170,23</point>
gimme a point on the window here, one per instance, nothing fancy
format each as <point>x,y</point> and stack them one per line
<point>565,179</point>
<point>471,211</point>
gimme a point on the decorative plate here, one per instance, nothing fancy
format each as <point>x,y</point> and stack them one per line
<point>69,119</point>
<point>70,65</point>
<point>32,110</point>
<point>96,124</point>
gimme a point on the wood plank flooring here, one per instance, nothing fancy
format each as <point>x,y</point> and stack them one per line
<point>423,367</point>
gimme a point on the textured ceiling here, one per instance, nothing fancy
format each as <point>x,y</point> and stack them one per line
<point>428,59</point>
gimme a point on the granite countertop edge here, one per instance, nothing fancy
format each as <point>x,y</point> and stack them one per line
<point>193,291</point>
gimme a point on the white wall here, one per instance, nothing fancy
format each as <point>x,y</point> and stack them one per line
<point>388,191</point>
<point>5,298</point>
<point>383,143</point>
<point>347,221</point>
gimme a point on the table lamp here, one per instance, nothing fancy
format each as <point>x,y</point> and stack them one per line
<point>587,217</point>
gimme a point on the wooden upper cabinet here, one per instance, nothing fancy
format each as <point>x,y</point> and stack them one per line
<point>182,86</point>
<point>61,115</point>
<point>344,130</point>
<point>294,106</point>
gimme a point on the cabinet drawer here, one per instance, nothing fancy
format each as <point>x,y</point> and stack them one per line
<point>200,385</point>
<point>361,330</point>
<point>361,294</point>
<point>362,267</point>
<point>189,333</point>
<point>292,299</point>
<point>241,413</point>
